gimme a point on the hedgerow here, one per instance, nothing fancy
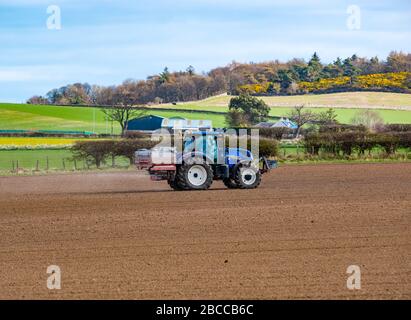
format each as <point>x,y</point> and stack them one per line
<point>98,151</point>
<point>274,133</point>
<point>347,142</point>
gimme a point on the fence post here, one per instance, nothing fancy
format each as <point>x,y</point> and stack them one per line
<point>64,165</point>
<point>17,165</point>
<point>113,161</point>
<point>12,163</point>
<point>37,165</point>
<point>75,165</point>
<point>47,163</point>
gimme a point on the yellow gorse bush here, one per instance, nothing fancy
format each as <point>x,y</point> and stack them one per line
<point>383,81</point>
<point>394,81</point>
<point>258,88</point>
<point>323,84</point>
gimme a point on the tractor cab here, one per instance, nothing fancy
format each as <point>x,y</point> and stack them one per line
<point>212,145</point>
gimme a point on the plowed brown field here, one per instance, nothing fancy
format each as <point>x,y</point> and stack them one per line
<point>119,235</point>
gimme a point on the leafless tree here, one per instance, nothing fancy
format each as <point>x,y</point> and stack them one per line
<point>301,116</point>
<point>37,100</point>
<point>124,102</point>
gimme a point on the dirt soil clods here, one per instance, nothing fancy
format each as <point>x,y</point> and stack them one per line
<point>119,235</point>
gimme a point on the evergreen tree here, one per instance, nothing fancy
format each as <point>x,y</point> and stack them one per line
<point>349,69</point>
<point>165,75</point>
<point>314,68</point>
<point>190,70</point>
<point>285,79</point>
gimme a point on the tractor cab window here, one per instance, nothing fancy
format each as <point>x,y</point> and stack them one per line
<point>206,144</point>
<point>211,142</point>
<point>189,143</point>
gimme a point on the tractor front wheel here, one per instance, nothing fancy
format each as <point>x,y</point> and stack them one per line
<point>247,177</point>
<point>230,183</point>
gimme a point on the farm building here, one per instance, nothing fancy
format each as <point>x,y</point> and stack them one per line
<point>265,125</point>
<point>146,123</point>
<point>153,122</point>
<point>283,123</point>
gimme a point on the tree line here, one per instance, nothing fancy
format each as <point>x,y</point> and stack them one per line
<point>188,85</point>
<point>166,87</point>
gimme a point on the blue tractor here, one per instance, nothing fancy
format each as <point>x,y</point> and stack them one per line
<point>203,158</point>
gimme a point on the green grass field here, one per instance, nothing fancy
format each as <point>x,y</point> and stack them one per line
<point>28,158</point>
<point>32,117</point>
<point>344,115</point>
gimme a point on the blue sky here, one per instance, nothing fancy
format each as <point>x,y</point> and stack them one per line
<point>106,41</point>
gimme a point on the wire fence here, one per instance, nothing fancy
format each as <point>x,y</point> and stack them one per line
<point>44,164</point>
<point>18,162</point>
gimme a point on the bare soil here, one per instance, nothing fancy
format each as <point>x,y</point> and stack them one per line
<point>119,235</point>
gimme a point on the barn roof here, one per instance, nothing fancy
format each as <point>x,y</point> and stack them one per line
<point>284,123</point>
<point>145,123</point>
<point>264,124</point>
<point>148,117</point>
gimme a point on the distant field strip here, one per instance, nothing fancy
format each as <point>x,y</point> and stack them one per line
<point>35,142</point>
<point>352,100</point>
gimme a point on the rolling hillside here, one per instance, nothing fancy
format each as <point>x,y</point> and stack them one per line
<point>393,108</point>
<point>351,100</point>
<point>40,117</point>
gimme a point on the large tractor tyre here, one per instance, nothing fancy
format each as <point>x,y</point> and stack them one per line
<point>247,177</point>
<point>174,185</point>
<point>230,183</point>
<point>194,176</point>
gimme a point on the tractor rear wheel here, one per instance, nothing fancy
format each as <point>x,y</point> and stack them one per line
<point>196,176</point>
<point>174,185</point>
<point>247,177</point>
